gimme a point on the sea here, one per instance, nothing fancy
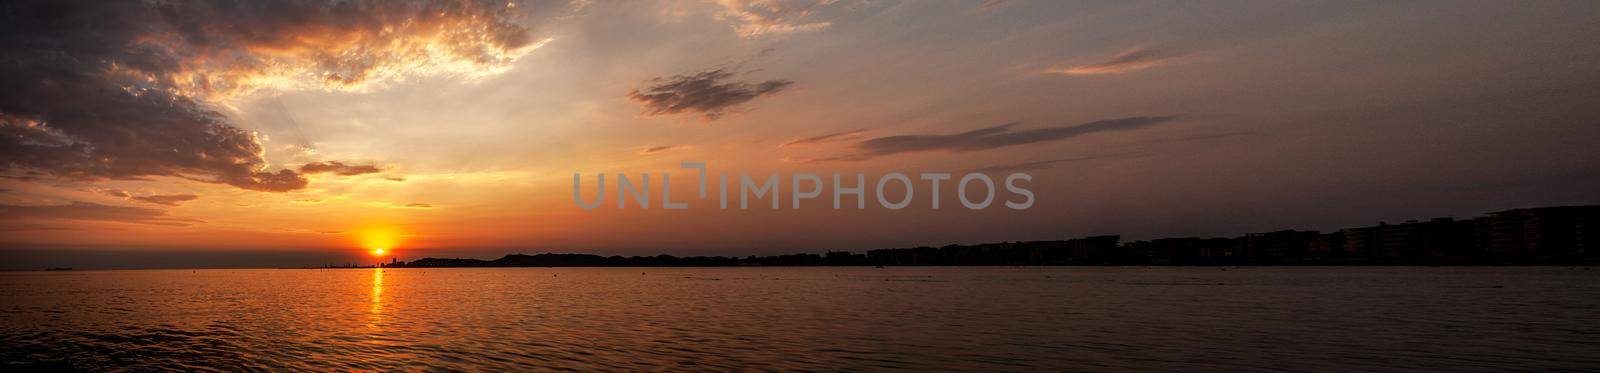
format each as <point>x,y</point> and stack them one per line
<point>1333,319</point>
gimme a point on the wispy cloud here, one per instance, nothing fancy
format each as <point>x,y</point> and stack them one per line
<point>167,199</point>
<point>91,211</point>
<point>393,205</point>
<point>1205,137</point>
<point>754,18</point>
<point>836,136</point>
<point>338,168</point>
<point>707,93</point>
<point>159,199</point>
<point>20,227</point>
<point>662,148</point>
<point>1035,165</point>
<point>990,138</point>
<point>1132,60</point>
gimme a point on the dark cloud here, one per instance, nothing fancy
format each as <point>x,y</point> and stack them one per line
<point>705,93</point>
<point>118,89</point>
<point>75,126</point>
<point>160,199</point>
<point>1036,165</point>
<point>1136,59</point>
<point>338,168</point>
<point>418,206</point>
<point>91,211</point>
<point>990,138</point>
<point>826,137</point>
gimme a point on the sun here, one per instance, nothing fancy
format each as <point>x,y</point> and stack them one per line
<point>379,241</point>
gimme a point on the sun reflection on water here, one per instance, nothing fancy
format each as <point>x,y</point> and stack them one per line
<point>377,297</point>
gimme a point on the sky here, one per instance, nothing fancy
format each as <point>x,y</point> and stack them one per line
<point>237,133</point>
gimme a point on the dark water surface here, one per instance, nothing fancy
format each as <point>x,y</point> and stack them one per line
<point>1238,319</point>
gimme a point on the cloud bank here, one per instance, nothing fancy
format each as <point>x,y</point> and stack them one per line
<point>123,89</point>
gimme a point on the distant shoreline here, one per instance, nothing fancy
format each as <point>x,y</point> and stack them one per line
<point>841,259</point>
<point>1222,266</point>
<point>1543,236</point>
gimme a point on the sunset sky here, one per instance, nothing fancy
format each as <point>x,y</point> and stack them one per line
<point>454,128</point>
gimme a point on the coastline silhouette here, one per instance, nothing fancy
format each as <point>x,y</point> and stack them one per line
<point>1561,235</point>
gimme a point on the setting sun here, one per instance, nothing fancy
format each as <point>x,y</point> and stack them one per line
<point>379,241</point>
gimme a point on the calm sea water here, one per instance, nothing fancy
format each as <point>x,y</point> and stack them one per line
<point>1320,319</point>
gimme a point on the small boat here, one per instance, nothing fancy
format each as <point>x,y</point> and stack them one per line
<point>59,269</point>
